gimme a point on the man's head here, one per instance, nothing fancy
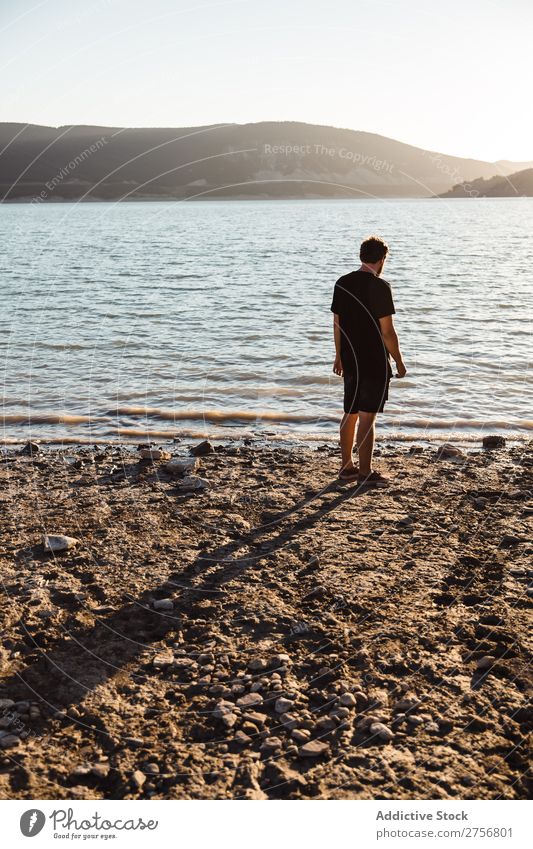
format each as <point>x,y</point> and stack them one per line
<point>373,252</point>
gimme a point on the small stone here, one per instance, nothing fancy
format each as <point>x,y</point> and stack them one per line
<point>100,770</point>
<point>5,704</point>
<point>58,542</point>
<point>256,718</point>
<point>271,744</point>
<point>223,708</point>
<point>153,454</point>
<point>485,662</point>
<point>138,778</point>
<point>242,739</point>
<point>229,720</point>
<point>151,768</point>
<point>301,735</point>
<point>9,741</point>
<point>406,704</point>
<point>192,483</point>
<point>447,451</point>
<point>163,604</point>
<point>283,705</point>
<point>509,541</point>
<point>313,749</point>
<point>162,660</point>
<point>30,449</point>
<point>348,700</point>
<point>257,664</point>
<point>181,467</point>
<point>493,441</point>
<point>202,449</point>
<point>381,731</point>
<point>250,700</point>
<point>280,660</point>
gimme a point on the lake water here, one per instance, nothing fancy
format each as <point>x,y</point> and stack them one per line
<point>195,319</point>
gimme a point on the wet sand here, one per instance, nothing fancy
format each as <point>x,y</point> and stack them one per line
<point>259,631</point>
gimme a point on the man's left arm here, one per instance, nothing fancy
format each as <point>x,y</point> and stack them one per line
<point>337,365</point>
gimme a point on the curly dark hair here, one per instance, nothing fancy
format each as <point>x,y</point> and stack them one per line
<point>373,249</point>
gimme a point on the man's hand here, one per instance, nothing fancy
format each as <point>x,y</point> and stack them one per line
<point>401,371</point>
<point>337,366</point>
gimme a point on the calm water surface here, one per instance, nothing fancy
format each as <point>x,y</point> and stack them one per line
<point>213,318</point>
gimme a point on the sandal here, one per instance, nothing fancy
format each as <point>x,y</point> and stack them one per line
<point>373,479</point>
<point>348,475</point>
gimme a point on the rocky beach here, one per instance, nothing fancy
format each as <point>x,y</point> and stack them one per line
<point>189,621</point>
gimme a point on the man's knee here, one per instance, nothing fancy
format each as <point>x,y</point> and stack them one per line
<point>366,420</point>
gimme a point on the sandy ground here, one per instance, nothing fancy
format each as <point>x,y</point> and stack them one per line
<point>271,634</point>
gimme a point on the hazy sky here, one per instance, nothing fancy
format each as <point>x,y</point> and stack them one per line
<point>450,76</point>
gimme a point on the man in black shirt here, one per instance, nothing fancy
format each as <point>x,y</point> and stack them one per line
<point>364,338</point>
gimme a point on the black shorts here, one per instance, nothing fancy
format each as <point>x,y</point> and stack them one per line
<point>365,394</point>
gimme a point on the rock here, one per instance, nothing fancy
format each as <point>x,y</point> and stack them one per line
<point>313,749</point>
<point>406,704</point>
<point>278,660</point>
<point>381,730</point>
<point>138,778</point>
<point>9,741</point>
<point>192,483</point>
<point>30,449</point>
<point>283,705</point>
<point>446,451</point>
<point>493,442</point>
<point>58,542</point>
<point>485,662</point>
<point>290,720</point>
<point>5,704</point>
<point>250,700</point>
<point>223,708</point>
<point>228,720</point>
<point>202,449</point>
<point>153,454</point>
<point>162,660</point>
<point>324,725</point>
<point>348,700</point>
<point>151,768</point>
<point>509,541</point>
<point>163,604</point>
<point>242,739</point>
<point>313,563</point>
<point>178,468</point>
<point>301,735</point>
<point>100,770</point>
<point>271,744</point>
<point>257,718</point>
<point>257,664</point>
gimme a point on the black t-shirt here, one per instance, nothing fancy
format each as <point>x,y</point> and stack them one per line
<point>360,299</point>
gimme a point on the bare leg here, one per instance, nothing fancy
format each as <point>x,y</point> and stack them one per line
<point>347,431</point>
<point>365,441</point>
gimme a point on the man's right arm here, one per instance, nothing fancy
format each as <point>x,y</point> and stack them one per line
<point>392,343</point>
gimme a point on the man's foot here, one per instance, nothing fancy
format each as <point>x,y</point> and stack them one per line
<point>349,473</point>
<point>373,479</point>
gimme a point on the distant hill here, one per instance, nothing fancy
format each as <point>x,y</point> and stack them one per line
<point>263,160</point>
<point>519,184</point>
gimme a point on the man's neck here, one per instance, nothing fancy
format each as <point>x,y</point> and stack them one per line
<point>365,267</point>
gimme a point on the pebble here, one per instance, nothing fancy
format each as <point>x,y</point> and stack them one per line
<point>192,483</point>
<point>348,700</point>
<point>257,664</point>
<point>30,449</point>
<point>163,660</point>
<point>151,768</point>
<point>256,718</point>
<point>58,542</point>
<point>485,662</point>
<point>202,449</point>
<point>9,741</point>
<point>381,731</point>
<point>250,700</point>
<point>406,704</point>
<point>301,735</point>
<point>313,749</point>
<point>493,441</point>
<point>5,704</point>
<point>222,708</point>
<point>229,720</point>
<point>271,744</point>
<point>163,604</point>
<point>242,739</point>
<point>181,467</point>
<point>446,451</point>
<point>153,454</point>
<point>100,770</point>
<point>138,778</point>
<point>283,705</point>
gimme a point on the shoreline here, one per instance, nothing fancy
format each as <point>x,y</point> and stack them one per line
<point>252,629</point>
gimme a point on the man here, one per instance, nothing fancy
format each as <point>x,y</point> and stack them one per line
<point>364,338</point>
